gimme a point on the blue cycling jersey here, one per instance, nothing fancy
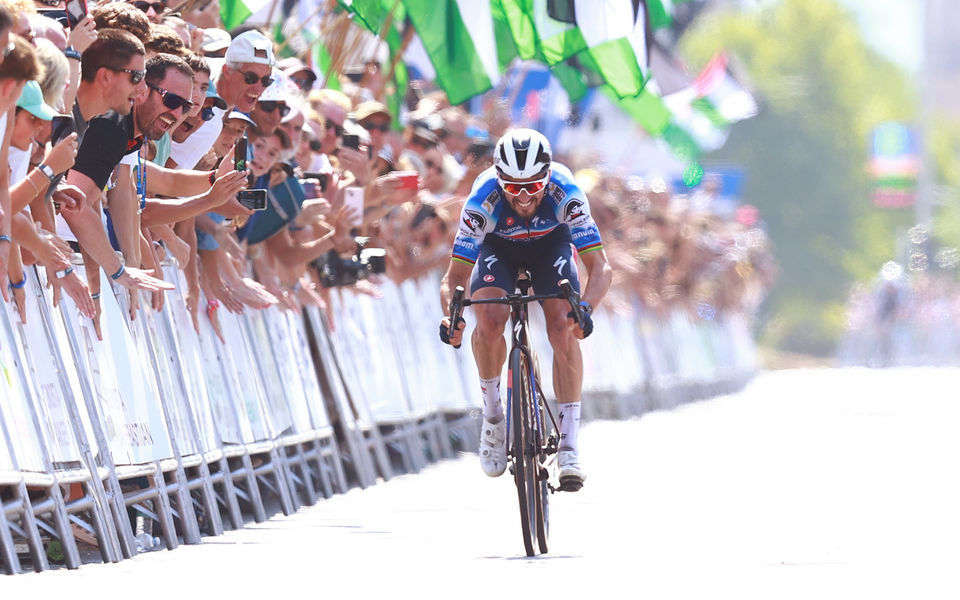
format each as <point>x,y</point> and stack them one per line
<point>486,211</point>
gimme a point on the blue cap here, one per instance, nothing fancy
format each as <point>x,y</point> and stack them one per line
<point>218,101</point>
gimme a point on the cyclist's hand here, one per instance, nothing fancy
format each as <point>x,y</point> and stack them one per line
<point>587,328</point>
<point>455,338</point>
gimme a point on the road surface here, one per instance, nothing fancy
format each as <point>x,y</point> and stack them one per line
<point>808,484</point>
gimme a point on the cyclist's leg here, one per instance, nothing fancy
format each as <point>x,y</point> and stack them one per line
<point>491,278</point>
<point>558,261</point>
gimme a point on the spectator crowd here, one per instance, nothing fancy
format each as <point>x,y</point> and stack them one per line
<point>130,133</point>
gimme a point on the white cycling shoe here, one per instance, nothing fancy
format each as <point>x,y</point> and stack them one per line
<point>571,475</point>
<point>493,447</point>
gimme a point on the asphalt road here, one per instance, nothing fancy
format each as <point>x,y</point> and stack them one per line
<point>809,484</point>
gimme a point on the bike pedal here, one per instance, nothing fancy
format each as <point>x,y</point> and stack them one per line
<point>570,484</point>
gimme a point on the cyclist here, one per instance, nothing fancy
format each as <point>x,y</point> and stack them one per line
<point>526,211</point>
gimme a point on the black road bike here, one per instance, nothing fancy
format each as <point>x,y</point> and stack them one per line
<point>532,438</point>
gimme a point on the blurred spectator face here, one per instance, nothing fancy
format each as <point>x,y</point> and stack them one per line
<point>293,127</point>
<point>233,130</point>
<point>377,126</point>
<point>50,29</point>
<point>268,114</point>
<point>245,83</point>
<point>181,27</point>
<point>152,8</point>
<point>433,178</point>
<point>266,151</point>
<point>333,126</point>
<point>156,113</point>
<point>204,14</point>
<point>309,146</point>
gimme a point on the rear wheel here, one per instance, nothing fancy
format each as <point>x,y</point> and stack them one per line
<point>525,468</point>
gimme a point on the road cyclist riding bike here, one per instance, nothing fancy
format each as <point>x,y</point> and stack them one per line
<point>526,212</point>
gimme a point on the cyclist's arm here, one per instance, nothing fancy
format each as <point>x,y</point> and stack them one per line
<point>599,275</point>
<point>458,273</point>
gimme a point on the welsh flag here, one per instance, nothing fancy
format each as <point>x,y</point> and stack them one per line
<point>459,38</point>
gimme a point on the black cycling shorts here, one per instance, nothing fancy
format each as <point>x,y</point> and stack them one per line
<point>549,260</point>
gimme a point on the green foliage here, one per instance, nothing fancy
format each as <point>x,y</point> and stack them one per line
<point>821,92</point>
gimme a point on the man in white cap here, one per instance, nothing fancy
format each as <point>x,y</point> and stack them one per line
<point>248,71</point>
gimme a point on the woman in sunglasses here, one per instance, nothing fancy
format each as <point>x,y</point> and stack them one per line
<point>526,211</point>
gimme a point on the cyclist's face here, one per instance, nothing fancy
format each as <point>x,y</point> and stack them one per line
<point>524,203</point>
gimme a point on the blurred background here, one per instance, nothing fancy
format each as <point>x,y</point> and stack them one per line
<point>825,129</point>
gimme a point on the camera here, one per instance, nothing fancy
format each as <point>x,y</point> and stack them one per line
<point>253,199</point>
<point>337,271</point>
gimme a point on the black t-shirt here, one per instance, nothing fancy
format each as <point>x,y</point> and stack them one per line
<point>108,138</point>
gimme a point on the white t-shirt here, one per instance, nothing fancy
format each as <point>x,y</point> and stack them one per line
<point>189,153</point>
<point>19,161</point>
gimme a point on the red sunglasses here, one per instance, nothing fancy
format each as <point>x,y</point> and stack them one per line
<point>531,187</point>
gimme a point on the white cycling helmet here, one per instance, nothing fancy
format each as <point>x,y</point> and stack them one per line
<point>522,154</point>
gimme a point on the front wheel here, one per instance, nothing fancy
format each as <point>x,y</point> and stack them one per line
<point>525,465</point>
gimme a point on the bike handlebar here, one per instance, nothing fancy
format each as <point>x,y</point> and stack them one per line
<point>459,302</point>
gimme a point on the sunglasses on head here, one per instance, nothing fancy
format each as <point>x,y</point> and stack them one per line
<point>383,127</point>
<point>135,75</point>
<point>338,129</point>
<point>158,7</point>
<point>531,187</point>
<point>171,100</point>
<point>272,105</point>
<point>250,78</point>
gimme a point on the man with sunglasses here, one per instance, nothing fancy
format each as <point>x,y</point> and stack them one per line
<point>526,211</point>
<point>111,80</point>
<point>243,78</point>
<point>270,108</point>
<point>154,9</point>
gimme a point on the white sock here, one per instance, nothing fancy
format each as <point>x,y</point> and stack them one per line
<point>492,409</point>
<point>569,424</point>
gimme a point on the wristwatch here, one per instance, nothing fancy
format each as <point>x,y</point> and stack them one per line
<point>46,170</point>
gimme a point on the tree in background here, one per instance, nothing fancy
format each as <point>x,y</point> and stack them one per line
<point>822,91</point>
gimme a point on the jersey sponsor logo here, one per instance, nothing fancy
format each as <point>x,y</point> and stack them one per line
<point>474,221</point>
<point>490,202</point>
<point>560,263</point>
<point>573,210</point>
<point>558,193</point>
<point>510,221</point>
<point>490,260</point>
<point>582,234</point>
<point>488,278</point>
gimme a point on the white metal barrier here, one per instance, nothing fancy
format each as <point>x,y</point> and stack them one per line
<point>159,424</point>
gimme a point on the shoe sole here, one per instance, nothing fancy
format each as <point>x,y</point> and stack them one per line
<point>570,484</point>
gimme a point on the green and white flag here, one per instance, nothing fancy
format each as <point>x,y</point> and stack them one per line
<point>459,38</point>
<point>611,33</point>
